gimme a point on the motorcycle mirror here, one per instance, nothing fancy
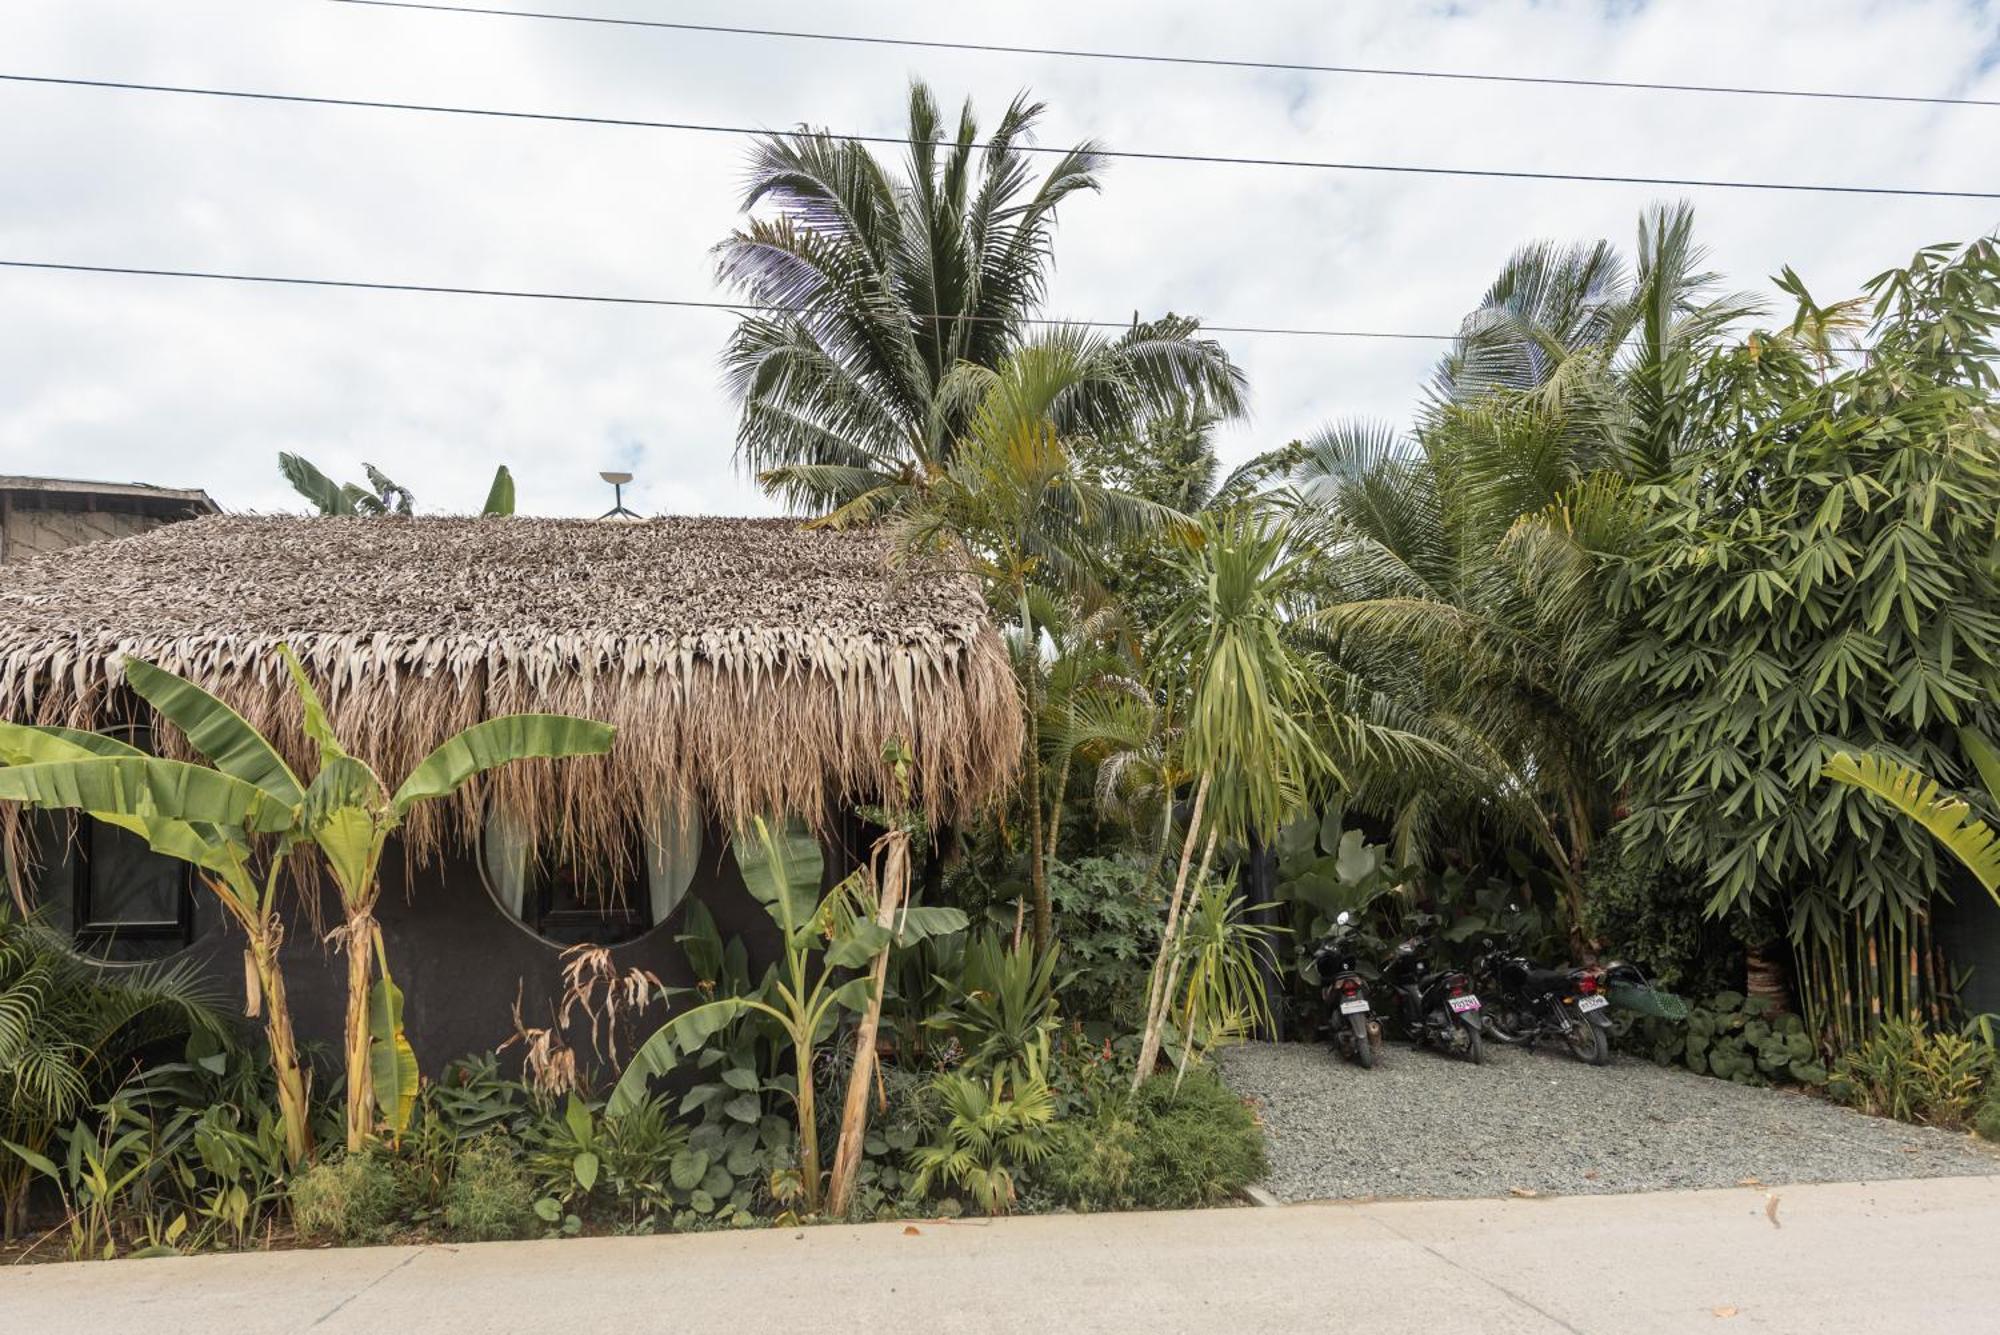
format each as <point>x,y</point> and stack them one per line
<point>1344,918</point>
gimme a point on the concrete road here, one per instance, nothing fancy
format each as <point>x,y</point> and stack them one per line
<point>1878,1257</point>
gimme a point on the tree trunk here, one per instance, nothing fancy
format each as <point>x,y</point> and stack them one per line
<point>293,1109</point>
<point>1259,889</point>
<point>1030,669</point>
<point>854,1116</point>
<point>1156,992</point>
<point>360,1071</point>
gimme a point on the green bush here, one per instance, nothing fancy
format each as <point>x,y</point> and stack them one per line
<point>1653,915</point>
<point>489,1198</point>
<point>1738,1038</point>
<point>1906,1071</point>
<point>1163,1148</point>
<point>1108,918</point>
<point>1987,1120</point>
<point>347,1198</point>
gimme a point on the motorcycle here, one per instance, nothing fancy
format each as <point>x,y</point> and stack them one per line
<point>1525,1003</point>
<point>1435,1007</point>
<point>1345,992</point>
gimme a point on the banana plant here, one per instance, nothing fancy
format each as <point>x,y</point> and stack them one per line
<point>782,866</point>
<point>205,816</point>
<point>1950,819</point>
<point>202,817</point>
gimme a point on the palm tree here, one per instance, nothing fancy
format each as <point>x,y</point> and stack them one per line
<point>879,288</point>
<point>1012,506</point>
<point>1462,568</point>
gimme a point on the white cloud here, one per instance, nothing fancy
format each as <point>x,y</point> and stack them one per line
<point>188,383</point>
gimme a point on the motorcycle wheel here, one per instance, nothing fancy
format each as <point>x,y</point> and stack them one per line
<point>1469,1045</point>
<point>1364,1047</point>
<point>1506,1027</point>
<point>1587,1042</point>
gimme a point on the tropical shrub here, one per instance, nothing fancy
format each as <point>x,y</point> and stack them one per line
<point>1172,1145</point>
<point>345,1198</point>
<point>68,1034</point>
<point>1651,913</point>
<point>1108,919</point>
<point>1913,1073</point>
<point>1739,1038</point>
<point>994,1131</point>
<point>490,1197</point>
<point>1001,1009</point>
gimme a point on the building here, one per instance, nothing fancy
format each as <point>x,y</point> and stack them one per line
<point>39,515</point>
<point>751,667</point>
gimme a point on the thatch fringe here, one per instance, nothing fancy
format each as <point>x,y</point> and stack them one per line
<point>749,666</point>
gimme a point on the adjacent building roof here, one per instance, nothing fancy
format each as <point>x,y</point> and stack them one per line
<point>751,665</point>
<point>132,495</point>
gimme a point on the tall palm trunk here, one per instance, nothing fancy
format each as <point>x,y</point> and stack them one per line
<point>1038,878</point>
<point>1157,987</point>
<point>895,881</point>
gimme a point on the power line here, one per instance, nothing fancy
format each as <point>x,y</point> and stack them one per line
<point>1152,58</point>
<point>697,127</point>
<point>736,307</point>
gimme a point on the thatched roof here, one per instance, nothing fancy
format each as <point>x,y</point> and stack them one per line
<point>749,664</point>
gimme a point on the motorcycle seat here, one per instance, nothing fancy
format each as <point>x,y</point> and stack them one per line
<point>1537,982</point>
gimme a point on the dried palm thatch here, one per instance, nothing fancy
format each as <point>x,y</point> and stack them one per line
<point>749,665</point>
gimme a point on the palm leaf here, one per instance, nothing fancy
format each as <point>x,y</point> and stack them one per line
<point>500,496</point>
<point>1949,819</point>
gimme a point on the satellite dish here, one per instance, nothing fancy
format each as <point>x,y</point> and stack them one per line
<point>618,510</point>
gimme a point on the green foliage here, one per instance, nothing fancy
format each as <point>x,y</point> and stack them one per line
<point>68,1034</point>
<point>1172,1145</point>
<point>1819,577</point>
<point>1986,1121</point>
<point>1220,997</point>
<point>1651,914</point>
<point>490,1197</point>
<point>1002,1008</point>
<point>347,1198</point>
<point>1738,1038</point>
<point>1912,1073</point>
<point>1108,919</point>
<point>994,1130</point>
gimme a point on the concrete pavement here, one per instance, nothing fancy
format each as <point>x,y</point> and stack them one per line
<point>1883,1257</point>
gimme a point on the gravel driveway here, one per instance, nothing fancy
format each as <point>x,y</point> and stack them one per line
<point>1422,1125</point>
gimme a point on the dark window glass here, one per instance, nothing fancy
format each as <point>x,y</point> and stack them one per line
<point>116,898</point>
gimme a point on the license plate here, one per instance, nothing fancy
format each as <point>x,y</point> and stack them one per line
<point>1464,1004</point>
<point>1589,1004</point>
<point>1354,1007</point>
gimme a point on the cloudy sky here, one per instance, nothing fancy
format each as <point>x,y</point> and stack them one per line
<point>190,383</point>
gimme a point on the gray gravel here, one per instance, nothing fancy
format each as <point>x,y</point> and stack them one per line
<point>1420,1124</point>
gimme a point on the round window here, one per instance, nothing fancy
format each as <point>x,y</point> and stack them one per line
<point>567,903</point>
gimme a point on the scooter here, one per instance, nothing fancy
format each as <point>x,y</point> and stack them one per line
<point>1435,1007</point>
<point>1525,1002</point>
<point>1345,992</point>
